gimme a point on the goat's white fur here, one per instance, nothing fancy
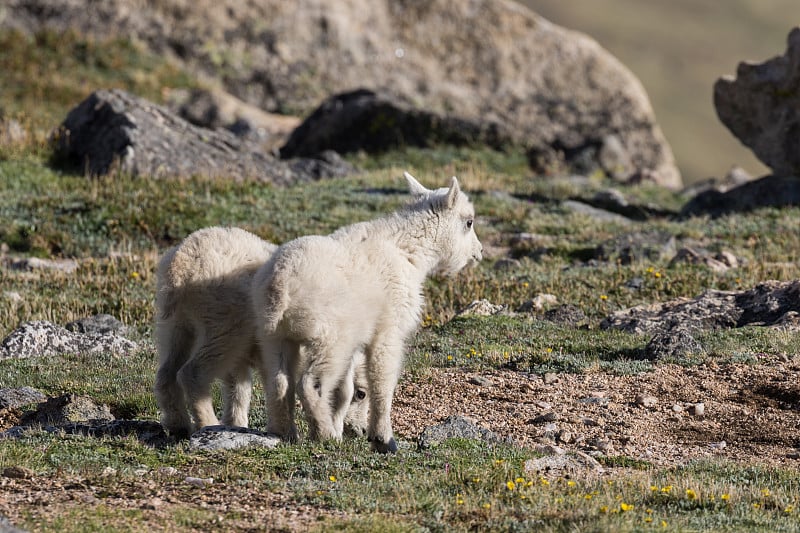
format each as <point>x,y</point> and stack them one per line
<point>322,298</point>
<point>205,330</point>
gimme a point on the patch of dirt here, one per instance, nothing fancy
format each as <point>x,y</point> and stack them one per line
<point>749,413</point>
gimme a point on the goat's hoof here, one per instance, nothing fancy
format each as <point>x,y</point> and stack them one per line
<point>384,447</point>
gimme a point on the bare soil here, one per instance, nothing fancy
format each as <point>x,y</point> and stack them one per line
<point>749,413</point>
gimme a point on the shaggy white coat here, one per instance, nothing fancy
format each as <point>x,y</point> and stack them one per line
<point>205,330</point>
<point>322,298</point>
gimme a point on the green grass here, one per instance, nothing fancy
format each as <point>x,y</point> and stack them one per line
<point>47,74</point>
<point>460,485</point>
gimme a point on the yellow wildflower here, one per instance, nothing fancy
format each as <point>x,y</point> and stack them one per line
<point>332,478</point>
<point>725,497</point>
<point>511,485</point>
<point>692,495</point>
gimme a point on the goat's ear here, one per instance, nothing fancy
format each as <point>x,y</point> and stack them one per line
<point>453,193</point>
<point>415,187</point>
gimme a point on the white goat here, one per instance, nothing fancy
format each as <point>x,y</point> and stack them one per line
<point>205,330</point>
<point>320,299</point>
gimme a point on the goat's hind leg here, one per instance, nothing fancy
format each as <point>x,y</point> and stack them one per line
<point>196,378</point>
<point>278,361</point>
<point>237,390</point>
<point>174,347</point>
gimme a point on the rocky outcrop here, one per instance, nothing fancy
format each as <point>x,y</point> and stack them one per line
<point>772,303</point>
<point>42,338</point>
<point>66,409</point>
<point>554,91</point>
<point>761,107</point>
<point>770,191</point>
<point>116,131</point>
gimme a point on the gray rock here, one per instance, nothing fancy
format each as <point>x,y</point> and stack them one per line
<point>675,343</point>
<point>481,381</point>
<point>98,325</point>
<point>698,257</point>
<point>767,304</point>
<point>17,397</point>
<point>113,130</point>
<point>544,418</point>
<point>455,427</point>
<point>377,121</point>
<point>575,463</point>
<point>30,264</point>
<point>66,409</point>
<point>42,338</point>
<point>761,107</point>
<point>567,315</point>
<point>649,246</point>
<point>231,438</point>
<point>489,62</point>
<point>769,191</point>
<point>603,215</point>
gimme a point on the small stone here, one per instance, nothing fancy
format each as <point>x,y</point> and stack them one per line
<point>550,378</point>
<point>481,308</point>
<point>542,300</point>
<point>646,400</point>
<point>602,445</point>
<point>167,470</point>
<point>590,422</point>
<point>549,449</point>
<point>18,472</point>
<point>108,472</point>
<point>543,418</point>
<point>543,405</point>
<point>718,445</point>
<point>698,409</point>
<point>677,408</point>
<point>593,400</point>
<point>481,381</point>
<point>153,503</point>
<point>564,436</point>
<point>198,481</point>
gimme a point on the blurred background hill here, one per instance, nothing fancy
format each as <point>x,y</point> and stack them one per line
<point>678,48</point>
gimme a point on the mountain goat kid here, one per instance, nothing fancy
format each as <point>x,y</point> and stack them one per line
<point>205,330</point>
<point>322,298</point>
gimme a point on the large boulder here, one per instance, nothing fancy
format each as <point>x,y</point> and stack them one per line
<point>769,191</point>
<point>113,130</point>
<point>374,122</point>
<point>556,91</point>
<point>761,107</point>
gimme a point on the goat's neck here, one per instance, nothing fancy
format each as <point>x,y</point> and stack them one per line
<point>417,237</point>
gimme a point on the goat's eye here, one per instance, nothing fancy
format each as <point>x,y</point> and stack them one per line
<point>469,223</point>
<point>360,395</point>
